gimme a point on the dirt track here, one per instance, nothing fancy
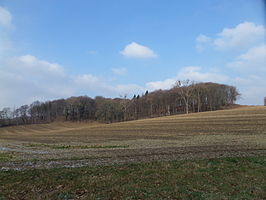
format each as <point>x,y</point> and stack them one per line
<point>236,132</point>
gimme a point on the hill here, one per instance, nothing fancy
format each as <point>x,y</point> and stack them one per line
<point>184,97</point>
<point>208,134</point>
<point>210,155</point>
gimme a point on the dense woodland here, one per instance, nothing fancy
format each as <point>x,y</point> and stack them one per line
<point>184,97</point>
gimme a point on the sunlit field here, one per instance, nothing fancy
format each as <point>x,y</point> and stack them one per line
<point>211,155</point>
<point>236,132</point>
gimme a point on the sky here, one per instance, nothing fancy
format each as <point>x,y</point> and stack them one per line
<point>56,49</point>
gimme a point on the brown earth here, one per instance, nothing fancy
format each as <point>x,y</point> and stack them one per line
<point>235,132</point>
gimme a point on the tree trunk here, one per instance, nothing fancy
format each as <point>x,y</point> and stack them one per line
<point>186,107</point>
<point>168,110</point>
<point>198,103</point>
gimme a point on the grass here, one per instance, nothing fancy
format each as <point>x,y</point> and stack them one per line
<point>61,146</point>
<point>6,156</point>
<point>227,178</point>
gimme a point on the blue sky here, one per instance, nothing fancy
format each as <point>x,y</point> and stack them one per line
<point>56,49</point>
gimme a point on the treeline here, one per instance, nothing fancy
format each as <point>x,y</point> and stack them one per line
<point>184,97</point>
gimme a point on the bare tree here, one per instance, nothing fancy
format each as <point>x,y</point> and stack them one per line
<point>185,90</point>
<point>186,96</point>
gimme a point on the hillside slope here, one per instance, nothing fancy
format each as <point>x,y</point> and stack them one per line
<point>217,133</point>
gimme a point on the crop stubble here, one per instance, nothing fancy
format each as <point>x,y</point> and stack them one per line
<point>236,132</point>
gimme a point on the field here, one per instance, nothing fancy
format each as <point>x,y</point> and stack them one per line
<point>130,158</point>
<point>237,132</point>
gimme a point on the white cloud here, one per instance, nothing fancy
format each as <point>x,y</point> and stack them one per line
<point>252,89</point>
<point>100,86</point>
<point>253,60</point>
<point>252,85</point>
<point>164,85</point>
<point>87,79</point>
<point>244,35</point>
<point>201,41</point>
<point>31,66</point>
<point>249,38</point>
<point>135,50</point>
<point>5,17</point>
<point>194,73</point>
<point>17,88</point>
<point>27,78</point>
<point>119,71</point>
<point>5,27</point>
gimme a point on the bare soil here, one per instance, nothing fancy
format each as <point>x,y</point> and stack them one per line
<point>235,132</point>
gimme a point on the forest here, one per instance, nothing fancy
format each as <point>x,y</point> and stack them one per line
<point>184,97</point>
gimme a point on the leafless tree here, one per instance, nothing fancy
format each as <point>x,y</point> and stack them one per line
<point>186,96</point>
<point>185,90</point>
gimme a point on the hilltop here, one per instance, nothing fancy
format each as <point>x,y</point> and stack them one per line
<point>184,97</point>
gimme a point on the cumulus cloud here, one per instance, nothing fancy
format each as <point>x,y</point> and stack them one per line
<point>119,71</point>
<point>253,60</point>
<point>244,35</point>
<point>135,50</point>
